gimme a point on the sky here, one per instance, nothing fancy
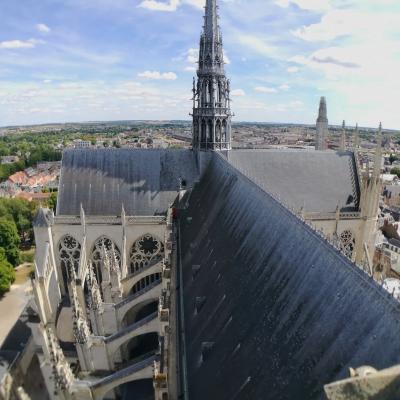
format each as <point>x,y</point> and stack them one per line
<point>86,60</point>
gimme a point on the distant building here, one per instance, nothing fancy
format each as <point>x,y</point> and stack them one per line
<point>9,159</point>
<point>391,195</point>
<point>39,197</point>
<point>81,144</point>
<point>322,126</point>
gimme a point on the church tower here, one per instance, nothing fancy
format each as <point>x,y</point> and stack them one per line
<point>322,126</point>
<point>211,101</point>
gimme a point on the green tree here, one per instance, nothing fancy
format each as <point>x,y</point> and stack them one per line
<point>9,241</point>
<point>7,273</point>
<point>52,201</point>
<point>395,171</point>
<point>392,158</point>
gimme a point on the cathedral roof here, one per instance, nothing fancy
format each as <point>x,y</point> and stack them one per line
<point>272,310</point>
<point>317,181</point>
<point>145,182</point>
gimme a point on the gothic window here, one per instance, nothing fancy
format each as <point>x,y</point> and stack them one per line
<point>210,131</point>
<point>224,131</point>
<point>145,251</point>
<point>347,243</point>
<point>203,132</point>
<point>146,281</point>
<point>69,252</point>
<point>218,131</point>
<point>97,253</point>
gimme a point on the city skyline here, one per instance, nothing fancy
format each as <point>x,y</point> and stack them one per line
<point>87,60</point>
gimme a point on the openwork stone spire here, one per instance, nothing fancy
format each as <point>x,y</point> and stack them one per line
<point>322,126</point>
<point>211,101</point>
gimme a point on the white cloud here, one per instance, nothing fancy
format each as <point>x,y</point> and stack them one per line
<point>20,44</point>
<point>169,5</point>
<point>43,28</point>
<point>154,5</point>
<point>314,5</point>
<point>284,87</point>
<point>190,69</point>
<point>293,70</point>
<point>256,44</point>
<point>238,93</point>
<point>226,58</point>
<point>156,75</point>
<point>192,56</point>
<point>264,89</point>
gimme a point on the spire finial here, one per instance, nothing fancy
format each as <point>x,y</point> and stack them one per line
<point>211,19</point>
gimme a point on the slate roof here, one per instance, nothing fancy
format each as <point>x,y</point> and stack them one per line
<point>283,311</point>
<point>43,218</point>
<point>144,181</point>
<point>319,181</point>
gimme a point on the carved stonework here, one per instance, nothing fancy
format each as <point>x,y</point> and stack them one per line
<point>80,324</point>
<point>62,373</point>
<point>95,300</point>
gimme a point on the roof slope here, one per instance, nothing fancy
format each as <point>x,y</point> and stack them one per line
<point>319,181</point>
<point>144,181</point>
<point>285,311</point>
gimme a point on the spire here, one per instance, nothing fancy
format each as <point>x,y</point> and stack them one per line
<point>211,102</point>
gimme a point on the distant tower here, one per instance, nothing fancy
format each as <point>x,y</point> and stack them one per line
<point>343,137</point>
<point>322,126</point>
<point>356,138</point>
<point>211,101</point>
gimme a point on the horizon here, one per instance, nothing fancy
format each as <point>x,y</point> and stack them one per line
<point>188,121</point>
<point>134,60</point>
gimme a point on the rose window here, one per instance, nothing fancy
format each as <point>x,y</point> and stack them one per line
<point>145,251</point>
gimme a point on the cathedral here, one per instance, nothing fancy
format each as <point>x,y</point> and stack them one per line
<point>211,273</point>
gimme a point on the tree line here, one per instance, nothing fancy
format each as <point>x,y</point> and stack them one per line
<point>16,231</point>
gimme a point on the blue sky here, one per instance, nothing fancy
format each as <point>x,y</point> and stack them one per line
<point>80,60</point>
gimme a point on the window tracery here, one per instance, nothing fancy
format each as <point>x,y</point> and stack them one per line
<point>69,253</point>
<point>147,249</point>
<point>69,250</point>
<point>347,242</point>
